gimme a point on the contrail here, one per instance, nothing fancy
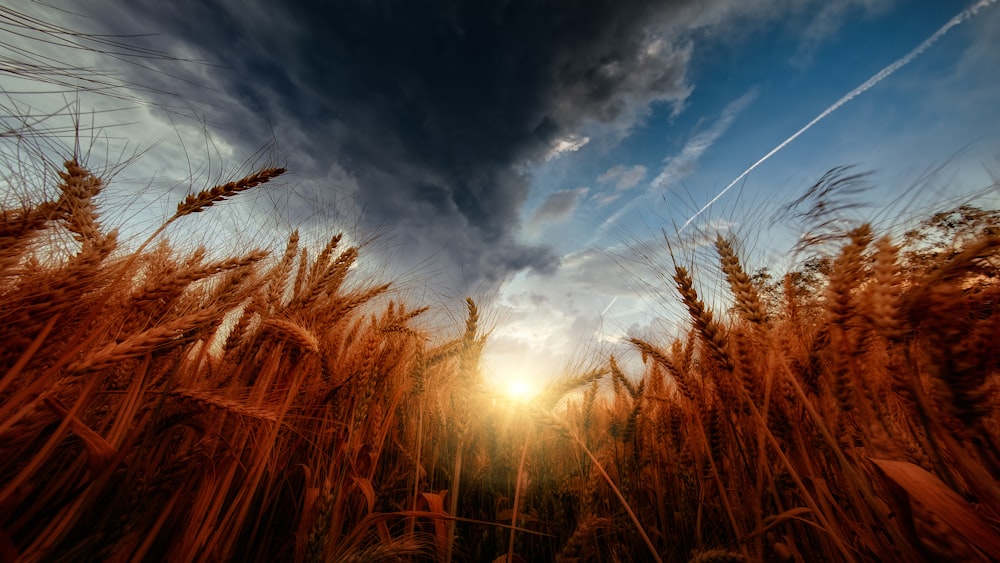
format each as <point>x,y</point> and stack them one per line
<point>606,309</point>
<point>878,77</point>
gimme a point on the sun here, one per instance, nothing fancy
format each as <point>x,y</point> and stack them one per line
<point>522,391</point>
<point>518,390</point>
<point>512,381</point>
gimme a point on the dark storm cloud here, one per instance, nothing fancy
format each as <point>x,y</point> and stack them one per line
<point>432,108</point>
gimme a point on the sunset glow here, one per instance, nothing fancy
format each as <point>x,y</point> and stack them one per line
<point>521,391</point>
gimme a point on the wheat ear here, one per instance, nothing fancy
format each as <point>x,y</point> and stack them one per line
<point>884,295</point>
<point>684,384</point>
<point>76,204</point>
<point>204,199</point>
<point>711,331</point>
<point>196,203</point>
<point>293,332</point>
<point>748,301</point>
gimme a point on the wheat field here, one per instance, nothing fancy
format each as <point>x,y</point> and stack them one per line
<point>159,405</point>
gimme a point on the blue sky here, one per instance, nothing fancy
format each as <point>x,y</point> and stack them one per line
<point>530,155</point>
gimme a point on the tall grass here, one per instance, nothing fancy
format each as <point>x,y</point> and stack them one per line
<point>157,405</point>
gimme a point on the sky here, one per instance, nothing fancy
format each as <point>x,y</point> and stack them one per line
<point>534,155</point>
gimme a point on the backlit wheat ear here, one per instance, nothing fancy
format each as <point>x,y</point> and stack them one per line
<point>961,327</point>
<point>472,343</point>
<point>978,256</point>
<point>584,534</point>
<point>76,204</point>
<point>299,284</point>
<point>471,321</point>
<point>748,301</point>
<point>171,285</point>
<point>442,352</point>
<point>632,422</point>
<point>16,223</point>
<point>617,374</point>
<point>331,278</point>
<point>323,260</point>
<point>236,332</point>
<point>204,199</point>
<point>554,422</point>
<point>398,321</point>
<point>293,332</point>
<point>884,297</point>
<point>197,203</point>
<point>589,400</point>
<point>559,388</point>
<point>59,289</point>
<point>18,227</point>
<point>278,276</point>
<point>210,402</point>
<point>790,299</point>
<point>848,272</point>
<point>169,335</point>
<point>711,331</point>
<point>233,288</point>
<point>684,384</point>
<point>341,307</point>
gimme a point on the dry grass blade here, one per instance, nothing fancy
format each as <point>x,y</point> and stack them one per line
<point>99,452</point>
<point>934,496</point>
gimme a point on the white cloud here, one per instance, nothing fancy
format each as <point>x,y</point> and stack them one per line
<point>623,177</point>
<point>684,163</point>
<point>828,21</point>
<point>569,143</point>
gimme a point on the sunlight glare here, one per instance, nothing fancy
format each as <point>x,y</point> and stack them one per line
<point>521,391</point>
